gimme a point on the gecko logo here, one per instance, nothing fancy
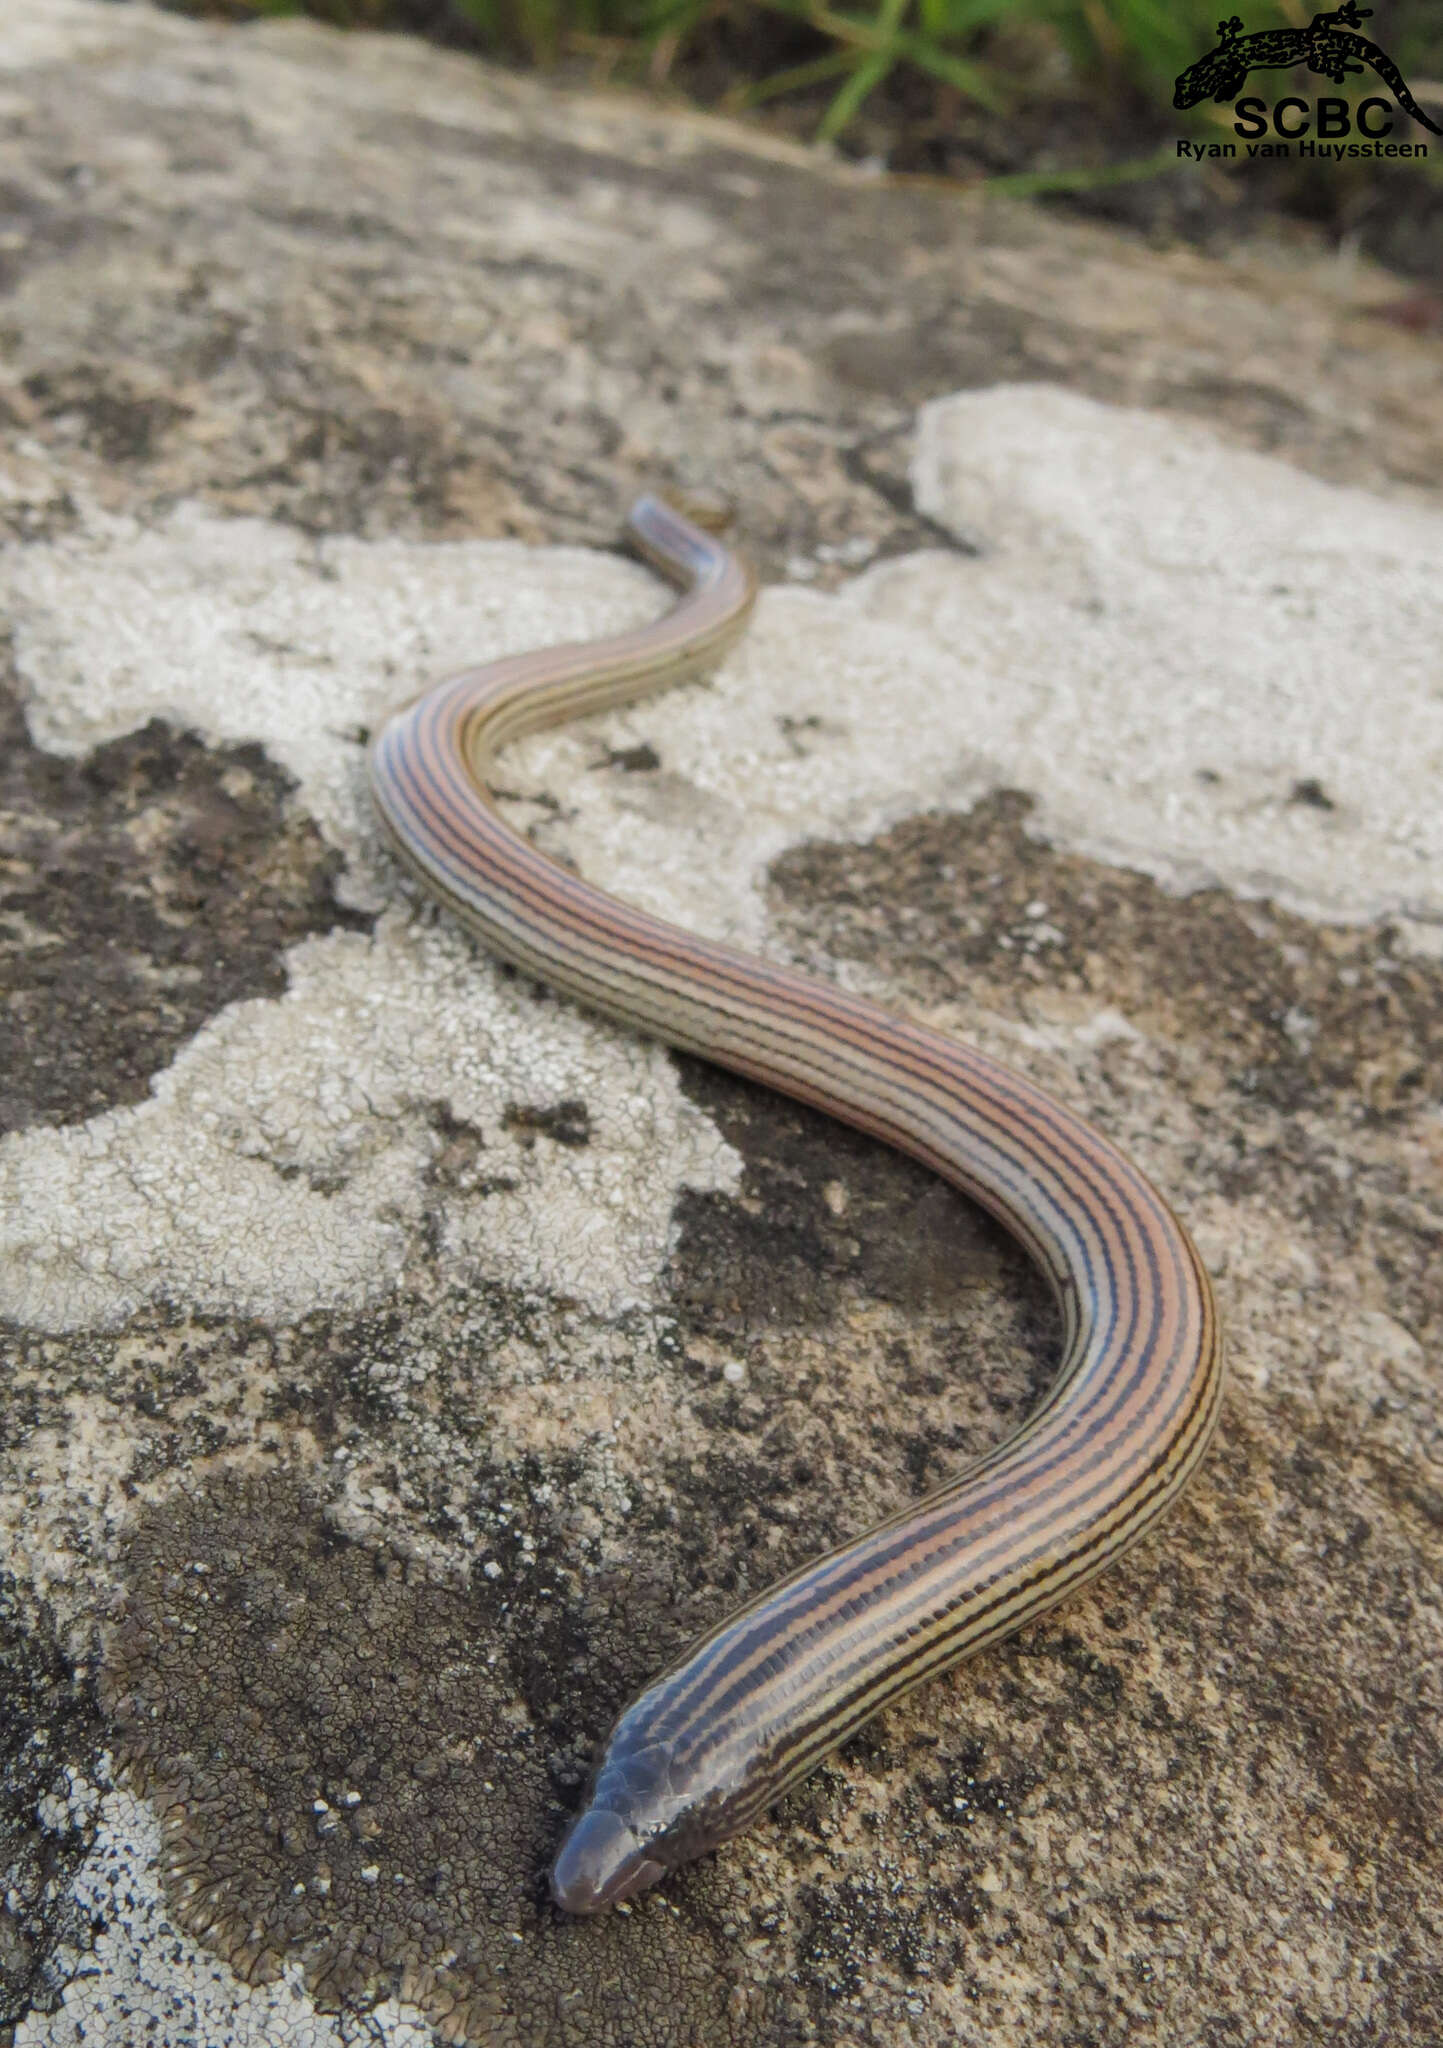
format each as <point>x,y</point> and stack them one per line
<point>1331,47</point>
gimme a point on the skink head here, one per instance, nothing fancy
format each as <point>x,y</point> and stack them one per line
<point>654,1804</point>
<point>600,1863</point>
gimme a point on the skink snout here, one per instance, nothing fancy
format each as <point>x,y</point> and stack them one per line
<point>600,1863</point>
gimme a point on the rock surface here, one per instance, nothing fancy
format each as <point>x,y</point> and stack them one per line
<point>400,1365</point>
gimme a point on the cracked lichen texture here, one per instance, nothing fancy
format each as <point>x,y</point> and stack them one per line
<point>423,1365</point>
<point>141,1980</point>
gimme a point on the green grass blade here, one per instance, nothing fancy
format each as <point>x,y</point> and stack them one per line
<point>1030,184</point>
<point>972,80</point>
<point>867,75</point>
<point>818,72</point>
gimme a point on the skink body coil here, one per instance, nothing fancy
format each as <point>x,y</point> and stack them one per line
<point>757,1703</point>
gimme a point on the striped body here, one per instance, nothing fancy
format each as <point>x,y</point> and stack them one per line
<point>754,1706</point>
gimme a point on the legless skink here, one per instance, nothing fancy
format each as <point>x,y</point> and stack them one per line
<point>759,1701</point>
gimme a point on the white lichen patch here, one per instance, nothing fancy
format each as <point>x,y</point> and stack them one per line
<point>70,1806</point>
<point>1201,661</point>
<point>283,1160</point>
<point>145,1980</point>
<point>241,630</point>
<point>35,32</point>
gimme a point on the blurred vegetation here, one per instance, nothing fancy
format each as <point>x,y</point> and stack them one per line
<point>1072,97</point>
<point>981,50</point>
<point>989,53</point>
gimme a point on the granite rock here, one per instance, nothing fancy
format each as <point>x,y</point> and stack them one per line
<point>402,1366</point>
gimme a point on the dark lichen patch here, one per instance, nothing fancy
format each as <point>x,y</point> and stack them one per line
<point>142,889</point>
<point>886,1329</point>
<point>803,1456</point>
<point>1308,790</point>
<point>855,1933</point>
<point>49,1729</point>
<point>564,1123</point>
<point>364,1382</point>
<point>104,412</point>
<point>173,1390</point>
<point>348,1777</point>
<point>348,464</point>
<point>1152,1823</point>
<point>1296,1015</point>
<point>638,760</point>
<point>1247,1689</point>
<point>884,1931</point>
<point>964,1793</point>
<point>825,1210</point>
